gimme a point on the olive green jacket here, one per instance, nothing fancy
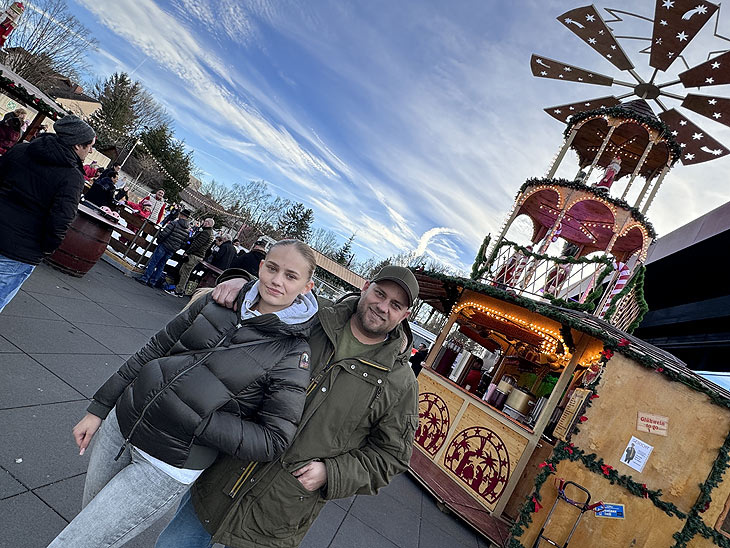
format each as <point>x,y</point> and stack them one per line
<point>359,420</point>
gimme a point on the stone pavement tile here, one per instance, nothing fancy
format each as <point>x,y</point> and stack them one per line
<point>390,517</point>
<point>47,281</point>
<point>355,534</point>
<point>142,319</point>
<point>24,304</point>
<point>27,522</point>
<point>85,372</point>
<point>26,382</point>
<point>9,486</point>
<point>345,503</point>
<point>120,340</point>
<point>325,527</point>
<point>433,537</point>
<point>32,335</point>
<point>449,523</point>
<point>6,346</point>
<point>41,437</point>
<point>406,490</point>
<point>64,496</point>
<point>76,311</point>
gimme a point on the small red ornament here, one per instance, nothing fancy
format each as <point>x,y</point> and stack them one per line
<point>538,506</point>
<point>594,396</point>
<point>583,418</point>
<point>623,342</point>
<point>606,469</point>
<point>645,491</point>
<point>607,353</point>
<point>548,464</point>
<point>705,508</point>
<point>659,369</point>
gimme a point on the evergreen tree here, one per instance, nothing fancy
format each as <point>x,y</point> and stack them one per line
<point>344,255</point>
<point>296,222</point>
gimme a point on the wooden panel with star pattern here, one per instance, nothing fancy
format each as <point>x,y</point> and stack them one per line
<point>542,67</point>
<point>697,146</point>
<point>563,112</point>
<point>676,23</point>
<point>714,72</point>
<point>589,26</point>
<point>481,455</point>
<point>714,108</point>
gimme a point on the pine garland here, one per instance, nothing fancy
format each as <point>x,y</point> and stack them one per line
<point>480,267</point>
<point>636,281</point>
<point>576,185</point>
<point>18,91</point>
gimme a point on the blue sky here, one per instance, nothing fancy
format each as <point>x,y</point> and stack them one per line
<point>410,123</point>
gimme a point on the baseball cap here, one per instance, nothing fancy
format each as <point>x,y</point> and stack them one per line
<point>403,277</point>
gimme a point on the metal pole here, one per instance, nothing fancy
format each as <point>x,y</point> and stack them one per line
<point>600,153</point>
<point>134,238</point>
<point>561,154</point>
<point>130,152</point>
<point>654,190</point>
<point>638,167</point>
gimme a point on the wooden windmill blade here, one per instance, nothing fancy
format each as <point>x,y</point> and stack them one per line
<point>697,146</point>
<point>676,23</point>
<point>714,72</point>
<point>714,108</point>
<point>563,112</point>
<point>590,27</point>
<point>542,67</point>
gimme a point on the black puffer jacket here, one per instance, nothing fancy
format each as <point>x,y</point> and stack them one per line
<point>201,242</point>
<point>249,261</point>
<point>223,257</point>
<point>174,235</point>
<point>182,405</point>
<point>40,188</point>
<point>101,192</point>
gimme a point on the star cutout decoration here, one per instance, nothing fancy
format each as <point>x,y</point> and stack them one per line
<point>682,145</point>
<point>682,36</point>
<point>675,133</point>
<point>715,65</point>
<point>590,18</point>
<point>667,3</point>
<point>567,69</point>
<point>689,156</point>
<point>658,40</point>
<point>683,123</point>
<point>663,23</point>
<point>716,115</point>
<point>591,40</point>
<point>697,136</point>
<point>710,80</point>
<point>712,101</point>
<point>543,73</point>
<point>677,22</point>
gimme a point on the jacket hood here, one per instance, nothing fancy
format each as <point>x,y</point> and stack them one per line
<point>47,149</point>
<point>273,324</point>
<point>336,317</point>
<point>302,309</point>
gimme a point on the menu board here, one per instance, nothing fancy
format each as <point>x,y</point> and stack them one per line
<point>570,415</point>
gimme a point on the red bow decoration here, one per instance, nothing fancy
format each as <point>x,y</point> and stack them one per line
<point>644,491</point>
<point>548,464</point>
<point>607,353</point>
<point>538,506</point>
<point>569,450</point>
<point>705,507</point>
<point>623,342</point>
<point>594,396</point>
<point>583,418</point>
<point>606,469</point>
<point>659,369</point>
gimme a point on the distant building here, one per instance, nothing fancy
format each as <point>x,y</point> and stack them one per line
<point>71,96</point>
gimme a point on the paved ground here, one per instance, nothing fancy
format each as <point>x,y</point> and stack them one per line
<point>60,338</point>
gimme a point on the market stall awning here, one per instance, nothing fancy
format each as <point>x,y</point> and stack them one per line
<point>23,91</point>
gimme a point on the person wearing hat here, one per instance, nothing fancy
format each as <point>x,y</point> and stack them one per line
<point>250,261</point>
<point>355,435</point>
<point>40,188</point>
<point>169,240</point>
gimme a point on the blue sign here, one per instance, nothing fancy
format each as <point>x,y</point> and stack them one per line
<point>609,510</point>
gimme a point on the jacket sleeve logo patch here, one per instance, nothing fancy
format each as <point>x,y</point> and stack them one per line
<point>304,361</point>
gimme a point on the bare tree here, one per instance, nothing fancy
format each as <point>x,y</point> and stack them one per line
<point>48,39</point>
<point>324,241</point>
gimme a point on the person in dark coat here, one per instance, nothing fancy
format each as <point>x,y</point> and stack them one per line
<point>250,261</point>
<point>194,254</point>
<point>225,254</point>
<point>101,192</point>
<point>9,133</point>
<point>417,358</point>
<point>40,188</point>
<point>116,167</point>
<point>169,240</point>
<point>212,381</point>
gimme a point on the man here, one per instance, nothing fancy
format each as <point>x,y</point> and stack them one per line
<point>417,358</point>
<point>40,188</point>
<point>355,435</point>
<point>250,261</point>
<point>102,190</point>
<point>169,240</point>
<point>116,167</point>
<point>158,205</point>
<point>225,254</point>
<point>194,254</point>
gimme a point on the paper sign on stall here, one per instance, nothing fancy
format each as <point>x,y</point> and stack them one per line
<point>610,510</point>
<point>636,454</point>
<point>654,424</point>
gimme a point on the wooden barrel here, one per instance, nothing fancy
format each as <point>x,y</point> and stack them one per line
<point>85,242</point>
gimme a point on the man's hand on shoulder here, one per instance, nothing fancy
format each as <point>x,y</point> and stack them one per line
<point>312,476</point>
<point>225,293</point>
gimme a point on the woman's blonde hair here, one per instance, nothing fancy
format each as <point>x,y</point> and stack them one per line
<point>303,249</point>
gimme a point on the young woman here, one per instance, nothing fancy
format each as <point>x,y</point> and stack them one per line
<point>213,380</point>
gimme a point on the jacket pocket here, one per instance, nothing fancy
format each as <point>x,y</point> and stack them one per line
<point>284,509</point>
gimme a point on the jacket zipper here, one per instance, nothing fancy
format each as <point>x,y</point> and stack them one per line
<point>252,465</point>
<point>154,398</point>
<point>372,364</point>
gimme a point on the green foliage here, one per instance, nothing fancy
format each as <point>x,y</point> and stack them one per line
<point>24,96</point>
<point>636,281</point>
<point>480,261</point>
<point>296,222</point>
<point>344,255</point>
<point>171,153</point>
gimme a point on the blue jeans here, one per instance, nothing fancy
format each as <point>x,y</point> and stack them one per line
<point>12,275</point>
<point>156,265</point>
<point>121,498</point>
<point>185,529</point>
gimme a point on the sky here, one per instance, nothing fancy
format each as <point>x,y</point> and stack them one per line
<point>411,124</point>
